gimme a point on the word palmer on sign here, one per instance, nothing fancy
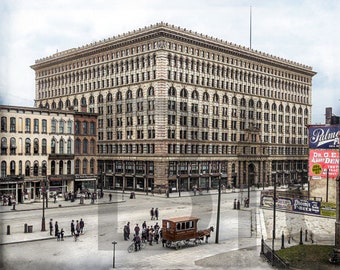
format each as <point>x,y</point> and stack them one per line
<point>321,161</point>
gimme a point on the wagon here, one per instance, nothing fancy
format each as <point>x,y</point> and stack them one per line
<point>182,231</point>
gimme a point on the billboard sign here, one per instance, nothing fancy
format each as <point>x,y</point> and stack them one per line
<point>324,137</point>
<point>322,160</point>
<point>306,206</point>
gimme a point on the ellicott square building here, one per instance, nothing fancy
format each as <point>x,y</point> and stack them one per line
<point>181,109</point>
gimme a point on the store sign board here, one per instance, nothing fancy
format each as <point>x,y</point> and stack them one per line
<point>325,137</point>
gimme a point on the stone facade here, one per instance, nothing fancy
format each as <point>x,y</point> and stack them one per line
<point>180,109</point>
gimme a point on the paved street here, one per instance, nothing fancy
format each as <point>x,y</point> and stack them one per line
<point>238,247</point>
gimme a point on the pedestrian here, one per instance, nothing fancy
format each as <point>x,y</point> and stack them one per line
<point>110,197</point>
<point>51,226</point>
<point>156,235</point>
<point>127,231</point>
<point>156,227</point>
<point>136,240</point>
<point>137,229</point>
<point>62,234</point>
<point>56,228</point>
<point>72,227</point>
<point>81,225</point>
<point>195,190</point>
<point>156,213</point>
<point>144,225</point>
<point>152,213</point>
<point>77,227</point>
<point>151,233</point>
<point>55,198</point>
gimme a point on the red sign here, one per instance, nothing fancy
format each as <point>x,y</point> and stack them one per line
<point>322,160</point>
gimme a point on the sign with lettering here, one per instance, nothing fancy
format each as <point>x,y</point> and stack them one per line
<point>321,161</point>
<point>324,137</point>
<point>306,206</point>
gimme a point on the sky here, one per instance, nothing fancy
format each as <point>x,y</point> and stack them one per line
<point>304,31</point>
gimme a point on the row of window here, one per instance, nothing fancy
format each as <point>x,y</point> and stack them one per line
<point>57,168</point>
<point>38,125</point>
<point>195,149</point>
<point>25,146</point>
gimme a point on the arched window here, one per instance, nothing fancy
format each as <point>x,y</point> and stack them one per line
<point>234,101</point>
<point>151,91</point>
<point>12,168</point>
<point>85,146</point>
<point>129,94</point>
<point>44,168</point>
<point>109,97</point>
<point>27,146</point>
<point>184,93</point>
<point>69,146</point>
<point>225,99</point>
<point>100,98</point>
<point>4,146</point>
<point>172,91</point>
<point>77,166</point>
<point>119,96</point>
<point>140,93</point>
<point>13,146</point>
<point>205,96</point>
<point>251,103</point>
<point>61,167</point>
<point>53,146</point>
<point>92,146</point>
<point>195,95</point>
<point>36,147</point>
<point>36,168</point>
<point>85,162</point>
<point>44,146</point>
<point>3,169</point>
<point>91,100</point>
<point>77,146</point>
<point>243,102</point>
<point>61,146</point>
<point>27,169</point>
<point>53,167</point>
<point>75,102</point>
<point>69,167</point>
<point>216,98</point>
<point>92,162</point>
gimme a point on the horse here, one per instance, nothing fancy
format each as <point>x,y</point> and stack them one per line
<point>205,233</point>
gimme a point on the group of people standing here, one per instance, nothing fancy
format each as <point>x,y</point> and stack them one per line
<point>147,234</point>
<point>76,229</point>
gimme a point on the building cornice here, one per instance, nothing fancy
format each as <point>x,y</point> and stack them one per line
<point>164,30</point>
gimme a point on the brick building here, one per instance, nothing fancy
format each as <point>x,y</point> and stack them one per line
<point>181,109</point>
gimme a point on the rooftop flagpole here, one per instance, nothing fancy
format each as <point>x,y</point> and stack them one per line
<point>250,26</point>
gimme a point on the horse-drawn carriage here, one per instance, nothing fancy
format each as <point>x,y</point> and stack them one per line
<point>182,231</point>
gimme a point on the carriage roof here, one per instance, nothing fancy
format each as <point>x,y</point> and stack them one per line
<point>182,219</point>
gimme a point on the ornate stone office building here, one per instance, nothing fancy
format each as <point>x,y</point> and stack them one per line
<point>182,109</point>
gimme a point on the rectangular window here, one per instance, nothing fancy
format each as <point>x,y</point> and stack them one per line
<point>44,126</point>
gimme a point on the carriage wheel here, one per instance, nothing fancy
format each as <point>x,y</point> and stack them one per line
<point>131,248</point>
<point>168,244</point>
<point>177,246</point>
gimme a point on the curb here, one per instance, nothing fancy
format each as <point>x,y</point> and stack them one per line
<point>66,206</point>
<point>32,240</point>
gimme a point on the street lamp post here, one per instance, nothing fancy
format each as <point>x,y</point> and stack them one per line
<point>43,225</point>
<point>336,251</point>
<point>114,254</point>
<point>274,220</point>
<point>179,185</point>
<point>218,210</point>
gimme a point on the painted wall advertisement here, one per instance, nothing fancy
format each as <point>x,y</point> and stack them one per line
<point>322,160</point>
<point>324,137</point>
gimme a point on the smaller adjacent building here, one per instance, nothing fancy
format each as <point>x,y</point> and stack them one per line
<point>324,158</point>
<point>43,149</point>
